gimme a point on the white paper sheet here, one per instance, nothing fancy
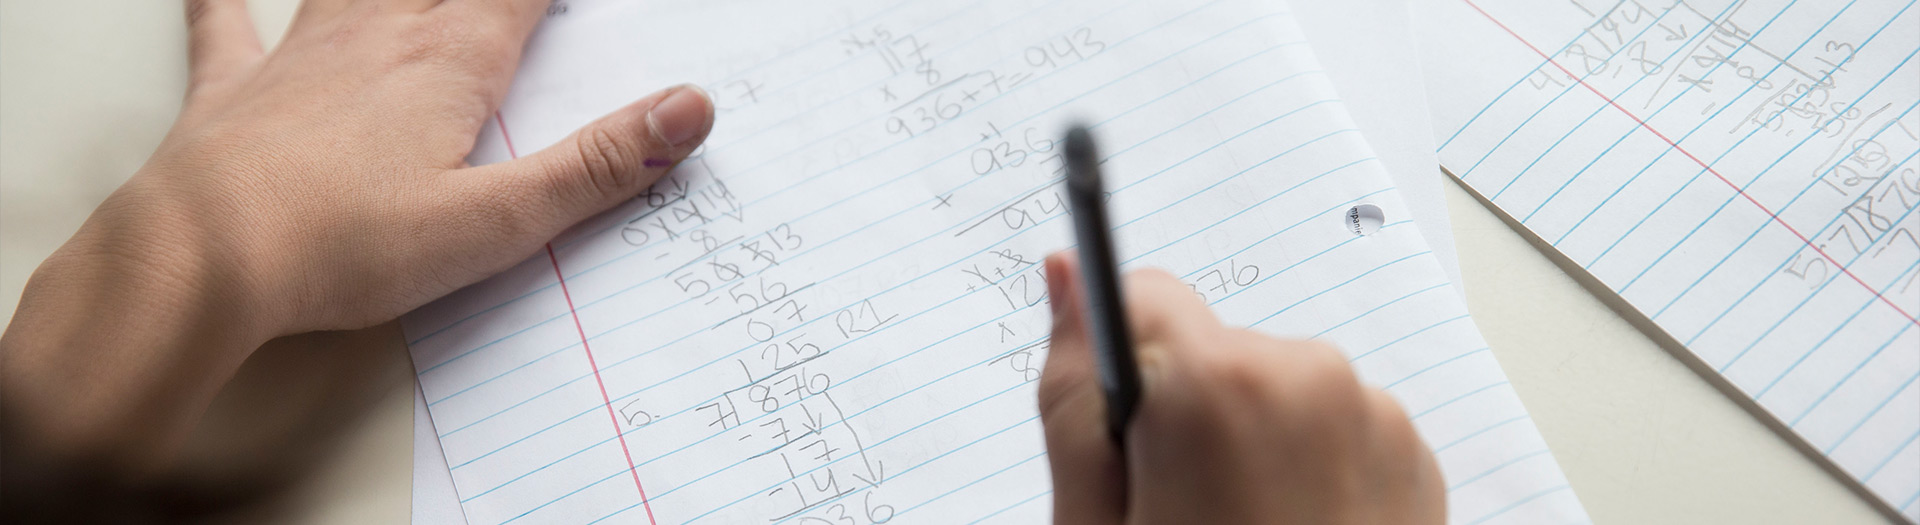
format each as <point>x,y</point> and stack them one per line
<point>1368,51</point>
<point>1741,172</point>
<point>904,275</point>
<point>434,500</point>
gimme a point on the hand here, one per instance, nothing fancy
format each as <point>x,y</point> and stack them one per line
<point>1233,426</point>
<point>320,186</point>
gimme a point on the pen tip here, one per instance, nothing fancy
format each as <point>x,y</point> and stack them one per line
<point>1083,162</point>
<point>1079,142</point>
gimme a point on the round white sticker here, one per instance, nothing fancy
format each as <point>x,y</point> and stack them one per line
<point>1364,219</point>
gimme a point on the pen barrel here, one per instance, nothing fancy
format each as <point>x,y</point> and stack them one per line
<point>1106,313</point>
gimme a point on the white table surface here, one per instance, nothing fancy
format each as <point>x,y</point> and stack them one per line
<point>88,88</point>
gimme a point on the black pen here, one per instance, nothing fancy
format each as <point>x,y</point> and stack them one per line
<point>1112,345</point>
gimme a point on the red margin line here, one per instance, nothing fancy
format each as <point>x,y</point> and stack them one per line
<point>1676,147</point>
<point>504,137</point>
<point>578,328</point>
<point>631,468</point>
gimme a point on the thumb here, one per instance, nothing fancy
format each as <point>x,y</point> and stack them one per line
<point>600,165</point>
<point>1089,480</point>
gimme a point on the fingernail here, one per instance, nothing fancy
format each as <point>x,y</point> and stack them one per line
<point>1056,282</point>
<point>681,118</point>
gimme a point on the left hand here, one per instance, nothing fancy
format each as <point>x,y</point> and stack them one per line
<point>319,186</point>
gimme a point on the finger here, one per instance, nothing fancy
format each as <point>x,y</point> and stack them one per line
<point>1161,309</point>
<point>1070,349</point>
<point>1089,478</point>
<point>608,161</point>
<point>317,13</point>
<point>409,6</point>
<point>516,17</point>
<point>1409,468</point>
<point>220,40</point>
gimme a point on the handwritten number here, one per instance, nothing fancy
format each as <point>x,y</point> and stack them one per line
<point>737,296</point>
<point>1849,234</point>
<point>1085,38</point>
<point>1897,235</point>
<point>687,283</point>
<point>896,125</point>
<point>984,161</point>
<point>798,311</point>
<point>635,235</point>
<point>755,329</point>
<point>635,416</point>
<point>784,237</point>
<point>877,513</point>
<point>859,319</point>
<point>1804,272</point>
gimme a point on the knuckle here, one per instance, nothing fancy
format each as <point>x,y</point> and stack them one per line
<point>1162,307</point>
<point>451,41</point>
<point>419,48</point>
<point>1238,367</point>
<point>1384,406</point>
<point>1323,383</point>
<point>197,11</point>
<point>1393,432</point>
<point>606,158</point>
<point>1389,419</point>
<point>1050,395</point>
<point>1155,280</point>
<point>1056,390</point>
<point>1334,376</point>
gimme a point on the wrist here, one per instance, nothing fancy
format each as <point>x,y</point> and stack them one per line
<point>168,261</point>
<point>126,332</point>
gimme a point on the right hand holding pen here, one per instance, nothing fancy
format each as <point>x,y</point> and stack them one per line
<point>1232,427</point>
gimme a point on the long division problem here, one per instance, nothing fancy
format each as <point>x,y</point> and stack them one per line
<point>1742,172</point>
<point>833,313</point>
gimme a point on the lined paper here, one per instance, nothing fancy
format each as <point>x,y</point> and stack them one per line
<point>834,311</point>
<point>1741,172</point>
<point>1366,48</point>
<point>434,501</point>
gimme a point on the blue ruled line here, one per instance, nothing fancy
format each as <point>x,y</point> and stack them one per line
<point>734,76</point>
<point>977,481</point>
<point>1578,83</point>
<point>1869,417</point>
<point>1911,438</point>
<point>918,206</point>
<point>888,147</point>
<point>1844,380</point>
<point>856,415</point>
<point>1497,468</point>
<point>1543,63</point>
<point>1836,329</point>
<point>1477,433</point>
<point>1776,269</point>
<point>1656,113</point>
<point>1463,355</point>
<point>663,495</point>
<point>1803,303</point>
<point>1517,504</point>
<point>1697,175</point>
<point>1742,189</point>
<point>982,214</point>
<point>1011,507</point>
